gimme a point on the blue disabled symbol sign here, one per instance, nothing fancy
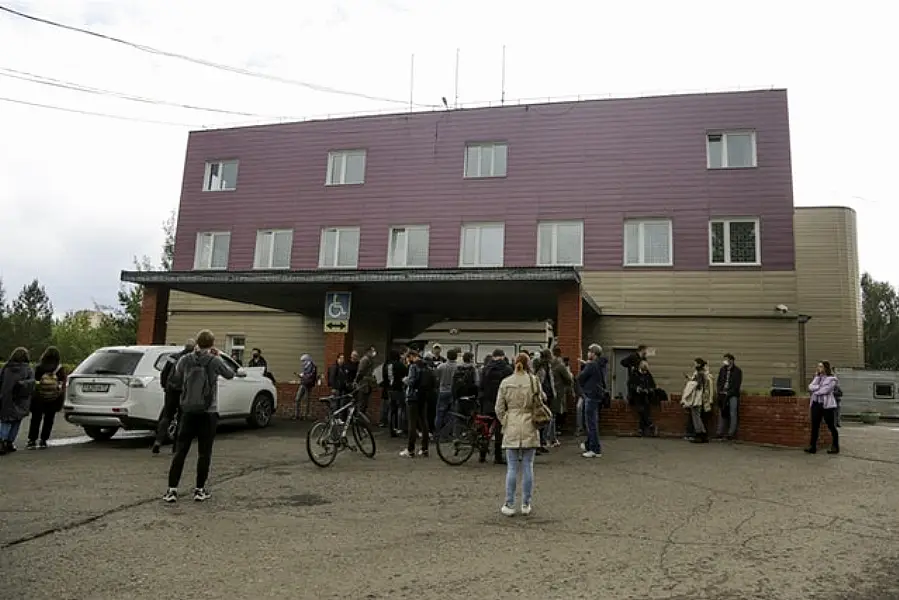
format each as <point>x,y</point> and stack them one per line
<point>337,311</point>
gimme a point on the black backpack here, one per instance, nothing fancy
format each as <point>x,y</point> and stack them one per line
<point>464,383</point>
<point>427,381</point>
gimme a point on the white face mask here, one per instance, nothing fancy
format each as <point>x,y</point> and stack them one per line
<point>726,363</point>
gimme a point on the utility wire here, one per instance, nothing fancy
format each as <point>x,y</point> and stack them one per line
<point>96,114</point>
<point>68,85</point>
<point>199,61</point>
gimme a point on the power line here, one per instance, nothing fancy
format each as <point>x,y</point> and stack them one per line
<point>199,61</point>
<point>96,114</point>
<point>69,85</point>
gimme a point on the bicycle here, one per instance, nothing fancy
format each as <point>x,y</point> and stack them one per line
<point>329,436</point>
<point>456,441</point>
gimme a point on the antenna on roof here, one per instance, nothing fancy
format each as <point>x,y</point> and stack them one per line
<point>445,104</point>
<point>502,96</point>
<point>456,93</point>
<point>411,83</point>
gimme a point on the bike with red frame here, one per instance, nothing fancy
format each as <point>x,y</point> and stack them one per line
<point>465,431</point>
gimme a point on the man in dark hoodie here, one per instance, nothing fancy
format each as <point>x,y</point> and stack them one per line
<point>497,369</point>
<point>392,374</point>
<point>730,380</point>
<point>592,380</point>
<point>172,399</point>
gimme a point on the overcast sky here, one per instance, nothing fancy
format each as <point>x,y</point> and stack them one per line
<point>80,195</point>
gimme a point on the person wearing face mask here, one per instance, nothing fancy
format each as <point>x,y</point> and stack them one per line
<point>641,389</point>
<point>730,378</point>
<point>697,398</point>
<point>365,378</point>
<point>823,405</point>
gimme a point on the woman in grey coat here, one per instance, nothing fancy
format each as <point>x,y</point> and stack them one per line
<point>16,387</point>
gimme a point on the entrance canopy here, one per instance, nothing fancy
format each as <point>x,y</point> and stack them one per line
<point>510,293</point>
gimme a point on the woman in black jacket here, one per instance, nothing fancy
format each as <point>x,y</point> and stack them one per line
<point>16,384</point>
<point>641,387</point>
<point>49,392</point>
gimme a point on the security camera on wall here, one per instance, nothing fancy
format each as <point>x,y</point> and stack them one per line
<point>782,309</point>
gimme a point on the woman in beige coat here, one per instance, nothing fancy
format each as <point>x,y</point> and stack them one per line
<point>515,403</point>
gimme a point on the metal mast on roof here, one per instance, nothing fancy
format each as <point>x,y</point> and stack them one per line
<point>502,96</point>
<point>456,94</point>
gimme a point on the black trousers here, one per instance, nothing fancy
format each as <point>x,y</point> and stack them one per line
<point>643,407</point>
<point>42,416</point>
<point>417,412</point>
<point>829,416</point>
<point>498,454</point>
<point>432,410</point>
<point>169,412</point>
<point>202,427</point>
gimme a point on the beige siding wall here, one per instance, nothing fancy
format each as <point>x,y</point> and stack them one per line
<point>829,285</point>
<point>765,348</point>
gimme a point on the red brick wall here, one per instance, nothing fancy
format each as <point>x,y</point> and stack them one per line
<point>763,420</point>
<point>569,324</point>
<point>286,407</point>
<point>153,316</point>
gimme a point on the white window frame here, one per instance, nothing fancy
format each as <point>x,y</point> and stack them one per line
<point>554,251</point>
<point>214,235</point>
<point>341,180</point>
<point>642,245</point>
<point>230,346</point>
<point>271,233</point>
<point>391,263</point>
<point>480,229</point>
<point>481,146</point>
<point>724,134</point>
<point>727,261</point>
<point>321,246</point>
<point>206,174</point>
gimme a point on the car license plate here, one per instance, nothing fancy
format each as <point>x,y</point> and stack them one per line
<point>97,388</point>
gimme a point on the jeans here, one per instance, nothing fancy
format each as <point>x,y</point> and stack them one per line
<point>548,434</point>
<point>363,397</point>
<point>698,425</point>
<point>9,430</point>
<point>444,405</point>
<point>829,417</point>
<point>526,456</point>
<point>418,419</point>
<point>580,414</point>
<point>302,393</point>
<point>728,416</point>
<point>396,414</point>
<point>591,418</point>
<point>169,412</point>
<point>194,425</point>
<point>42,417</point>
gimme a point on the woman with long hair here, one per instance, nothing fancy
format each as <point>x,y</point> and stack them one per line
<point>16,384</point>
<point>516,401</point>
<point>50,379</point>
<point>823,405</point>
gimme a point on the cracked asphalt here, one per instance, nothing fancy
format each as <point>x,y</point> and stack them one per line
<point>652,518</point>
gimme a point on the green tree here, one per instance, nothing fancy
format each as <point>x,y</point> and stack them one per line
<point>120,323</point>
<point>31,318</point>
<point>880,307</point>
<point>5,326</point>
<point>168,243</point>
<point>77,335</point>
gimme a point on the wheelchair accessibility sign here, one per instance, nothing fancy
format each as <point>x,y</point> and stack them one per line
<point>337,311</point>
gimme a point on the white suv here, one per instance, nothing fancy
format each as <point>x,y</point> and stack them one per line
<point>118,388</point>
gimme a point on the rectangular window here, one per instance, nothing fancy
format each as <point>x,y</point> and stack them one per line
<point>408,246</point>
<point>560,244</point>
<point>273,249</point>
<point>482,245</point>
<point>236,346</point>
<point>339,248</point>
<point>212,251</point>
<point>734,242</point>
<point>731,150</point>
<point>221,176</point>
<point>346,167</point>
<point>648,243</point>
<point>884,391</point>
<point>486,159</point>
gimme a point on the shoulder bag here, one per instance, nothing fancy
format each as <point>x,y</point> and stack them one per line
<point>541,414</point>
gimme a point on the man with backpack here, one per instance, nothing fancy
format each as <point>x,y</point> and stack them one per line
<point>197,375</point>
<point>172,398</point>
<point>465,379</point>
<point>445,373</point>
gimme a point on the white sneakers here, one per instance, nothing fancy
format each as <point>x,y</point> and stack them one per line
<point>591,454</point>
<point>407,454</point>
<point>525,509</point>
<point>509,510</point>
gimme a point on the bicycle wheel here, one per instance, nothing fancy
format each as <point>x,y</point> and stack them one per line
<point>322,450</point>
<point>456,442</point>
<point>363,435</point>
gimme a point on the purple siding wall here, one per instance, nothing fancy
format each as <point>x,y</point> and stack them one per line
<point>600,161</point>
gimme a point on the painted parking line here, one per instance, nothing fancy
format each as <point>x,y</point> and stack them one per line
<point>83,439</point>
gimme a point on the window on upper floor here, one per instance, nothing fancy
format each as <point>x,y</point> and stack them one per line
<point>339,248</point>
<point>408,246</point>
<point>648,243</point>
<point>346,167</point>
<point>482,245</point>
<point>560,243</point>
<point>212,250</point>
<point>485,159</point>
<point>273,249</point>
<point>731,150</point>
<point>734,242</point>
<point>221,176</point>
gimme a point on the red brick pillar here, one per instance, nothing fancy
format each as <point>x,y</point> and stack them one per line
<point>154,312</point>
<point>569,323</point>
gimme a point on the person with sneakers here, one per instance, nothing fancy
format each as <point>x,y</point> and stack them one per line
<point>365,379</point>
<point>445,373</point>
<point>172,398</point>
<point>697,398</point>
<point>592,380</point>
<point>197,375</point>
<point>730,380</point>
<point>49,395</point>
<point>823,405</point>
<point>416,407</point>
<point>495,371</point>
<point>16,385</point>
<point>641,390</point>
<point>393,373</point>
<point>516,401</point>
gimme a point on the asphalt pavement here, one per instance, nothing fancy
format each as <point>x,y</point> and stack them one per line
<point>652,518</point>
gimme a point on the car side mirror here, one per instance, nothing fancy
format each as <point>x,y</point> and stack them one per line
<point>241,372</point>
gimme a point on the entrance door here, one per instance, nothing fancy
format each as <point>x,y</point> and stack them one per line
<point>619,377</point>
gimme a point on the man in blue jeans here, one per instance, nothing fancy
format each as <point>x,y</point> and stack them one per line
<point>445,373</point>
<point>592,381</point>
